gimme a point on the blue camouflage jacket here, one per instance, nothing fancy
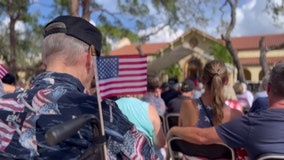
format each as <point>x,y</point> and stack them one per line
<point>55,98</point>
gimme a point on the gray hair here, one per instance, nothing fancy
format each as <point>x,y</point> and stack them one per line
<point>277,79</point>
<point>61,45</point>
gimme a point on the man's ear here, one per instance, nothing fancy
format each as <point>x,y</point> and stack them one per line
<point>89,62</point>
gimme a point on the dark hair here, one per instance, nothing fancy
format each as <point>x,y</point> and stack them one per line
<point>214,76</point>
<point>9,79</point>
<point>152,84</point>
<point>276,80</point>
<point>165,85</point>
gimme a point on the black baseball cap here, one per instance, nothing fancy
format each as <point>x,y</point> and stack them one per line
<point>187,86</point>
<point>78,28</point>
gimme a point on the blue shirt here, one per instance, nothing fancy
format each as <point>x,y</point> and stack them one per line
<point>55,98</point>
<point>259,104</point>
<point>137,112</point>
<point>258,133</point>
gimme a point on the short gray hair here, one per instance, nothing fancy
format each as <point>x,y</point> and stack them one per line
<point>62,45</point>
<point>277,79</point>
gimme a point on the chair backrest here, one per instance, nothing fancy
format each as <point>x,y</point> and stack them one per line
<point>271,156</point>
<point>212,151</point>
<point>171,119</point>
<point>163,123</point>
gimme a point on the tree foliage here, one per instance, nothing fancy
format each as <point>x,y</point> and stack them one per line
<point>131,16</point>
<point>19,47</point>
<point>174,70</point>
<point>276,10</point>
<point>220,52</point>
<point>228,27</point>
<point>122,18</point>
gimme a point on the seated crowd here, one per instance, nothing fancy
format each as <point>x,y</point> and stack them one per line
<point>134,125</point>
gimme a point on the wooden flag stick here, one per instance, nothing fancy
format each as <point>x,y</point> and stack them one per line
<point>100,105</point>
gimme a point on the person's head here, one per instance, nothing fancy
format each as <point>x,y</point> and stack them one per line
<point>173,83</point>
<point>9,79</point>
<point>275,88</point>
<point>68,46</point>
<point>153,84</point>
<point>214,78</point>
<point>239,88</point>
<point>199,86</point>
<point>165,86</point>
<point>187,88</point>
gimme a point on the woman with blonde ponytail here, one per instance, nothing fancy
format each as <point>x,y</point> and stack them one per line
<point>210,109</point>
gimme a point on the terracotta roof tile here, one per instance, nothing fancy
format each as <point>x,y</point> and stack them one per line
<point>252,42</point>
<point>148,49</point>
<point>240,43</point>
<point>255,61</point>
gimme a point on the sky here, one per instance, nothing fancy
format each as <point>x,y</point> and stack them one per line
<point>251,20</point>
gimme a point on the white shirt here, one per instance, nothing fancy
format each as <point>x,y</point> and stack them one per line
<point>260,94</point>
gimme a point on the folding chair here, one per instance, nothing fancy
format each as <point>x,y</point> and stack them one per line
<point>212,151</point>
<point>271,156</point>
<point>171,119</point>
<point>163,123</point>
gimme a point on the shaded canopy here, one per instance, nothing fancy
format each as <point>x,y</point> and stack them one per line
<point>169,58</point>
<point>172,57</point>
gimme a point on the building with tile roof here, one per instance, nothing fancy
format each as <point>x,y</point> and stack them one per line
<point>192,51</point>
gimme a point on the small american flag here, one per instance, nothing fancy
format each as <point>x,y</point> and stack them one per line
<point>122,75</point>
<point>3,71</point>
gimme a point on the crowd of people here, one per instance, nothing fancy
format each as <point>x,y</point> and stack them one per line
<point>210,111</point>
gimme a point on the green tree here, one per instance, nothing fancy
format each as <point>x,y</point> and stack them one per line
<point>139,15</point>
<point>220,52</point>
<point>227,27</point>
<point>172,71</point>
<point>18,46</point>
<point>276,10</point>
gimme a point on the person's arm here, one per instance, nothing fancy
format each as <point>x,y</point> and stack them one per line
<point>189,113</point>
<point>196,135</point>
<point>230,114</point>
<point>158,135</point>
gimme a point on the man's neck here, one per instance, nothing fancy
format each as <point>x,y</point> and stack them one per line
<point>278,104</point>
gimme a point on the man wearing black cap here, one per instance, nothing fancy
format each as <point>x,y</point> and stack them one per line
<point>172,92</point>
<point>186,92</point>
<point>60,94</point>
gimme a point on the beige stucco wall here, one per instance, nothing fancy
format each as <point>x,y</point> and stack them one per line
<point>205,41</point>
<point>255,70</point>
<point>255,53</point>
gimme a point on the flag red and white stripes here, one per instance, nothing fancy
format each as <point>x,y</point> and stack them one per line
<point>6,135</point>
<point>3,71</point>
<point>122,75</point>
